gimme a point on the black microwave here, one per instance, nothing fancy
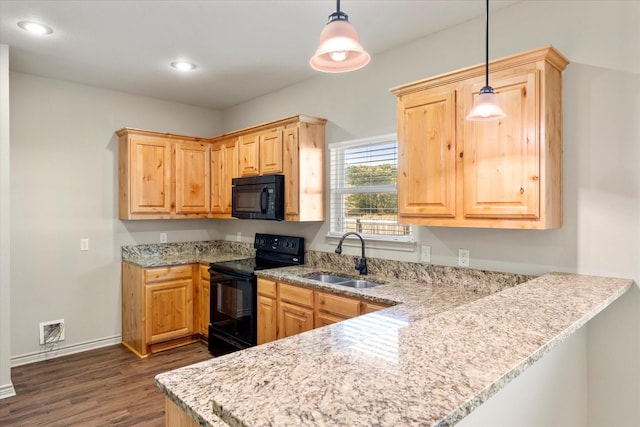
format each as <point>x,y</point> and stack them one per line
<point>258,197</point>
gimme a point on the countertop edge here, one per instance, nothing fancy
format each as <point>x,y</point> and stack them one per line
<point>467,408</point>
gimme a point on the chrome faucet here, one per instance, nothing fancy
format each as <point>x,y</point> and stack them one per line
<point>361,265</point>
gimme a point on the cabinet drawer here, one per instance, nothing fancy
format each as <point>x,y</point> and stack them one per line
<point>342,306</point>
<point>172,272</point>
<point>267,288</point>
<point>204,272</point>
<point>296,295</point>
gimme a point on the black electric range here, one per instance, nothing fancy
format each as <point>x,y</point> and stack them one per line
<point>234,293</point>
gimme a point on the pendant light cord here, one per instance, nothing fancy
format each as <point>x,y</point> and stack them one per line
<point>486,40</point>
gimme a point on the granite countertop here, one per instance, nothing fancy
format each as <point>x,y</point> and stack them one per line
<point>180,259</point>
<point>167,254</point>
<point>430,360</point>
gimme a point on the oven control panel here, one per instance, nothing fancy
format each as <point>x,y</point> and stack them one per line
<point>280,244</point>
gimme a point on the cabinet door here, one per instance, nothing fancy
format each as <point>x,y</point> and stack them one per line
<point>501,157</point>
<point>324,319</point>
<point>248,155</point>
<point>217,178</point>
<point>267,319</point>
<point>193,192</point>
<point>224,167</point>
<point>267,311</point>
<point>169,310</point>
<point>271,152</point>
<point>426,162</point>
<point>230,172</point>
<point>291,172</point>
<point>150,180</point>
<point>369,307</point>
<point>293,319</point>
<point>204,301</point>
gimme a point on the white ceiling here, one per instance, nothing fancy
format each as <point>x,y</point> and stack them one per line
<point>243,48</point>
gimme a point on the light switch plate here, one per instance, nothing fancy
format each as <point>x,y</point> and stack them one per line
<point>163,237</point>
<point>84,244</point>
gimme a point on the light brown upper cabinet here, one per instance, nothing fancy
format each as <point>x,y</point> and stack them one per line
<point>163,175</point>
<point>261,152</point>
<point>249,155</point>
<point>224,167</point>
<point>193,184</point>
<point>271,151</point>
<point>293,147</point>
<point>495,174</point>
<point>304,168</point>
<point>167,176</point>
<point>145,175</point>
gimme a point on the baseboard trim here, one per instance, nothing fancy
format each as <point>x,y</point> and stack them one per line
<point>40,356</point>
<point>7,390</point>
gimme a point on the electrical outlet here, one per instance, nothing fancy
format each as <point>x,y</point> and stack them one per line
<point>84,244</point>
<point>239,236</point>
<point>463,257</point>
<point>163,237</point>
<point>425,253</point>
<point>52,332</point>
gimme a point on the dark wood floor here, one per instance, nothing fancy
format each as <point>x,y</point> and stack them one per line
<point>104,387</point>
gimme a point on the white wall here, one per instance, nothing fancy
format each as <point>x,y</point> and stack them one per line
<point>64,180</point>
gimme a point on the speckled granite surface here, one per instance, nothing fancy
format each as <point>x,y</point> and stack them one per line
<point>437,275</point>
<point>162,254</point>
<point>428,361</point>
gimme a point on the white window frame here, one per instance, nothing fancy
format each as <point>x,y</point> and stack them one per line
<point>379,241</point>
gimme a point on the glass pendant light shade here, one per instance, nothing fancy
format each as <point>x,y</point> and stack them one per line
<point>486,106</point>
<point>339,50</point>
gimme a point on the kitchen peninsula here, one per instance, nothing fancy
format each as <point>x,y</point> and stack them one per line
<point>453,340</point>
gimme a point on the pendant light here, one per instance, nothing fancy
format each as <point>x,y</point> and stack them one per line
<point>486,105</point>
<point>339,50</point>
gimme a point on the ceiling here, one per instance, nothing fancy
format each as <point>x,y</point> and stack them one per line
<point>243,48</point>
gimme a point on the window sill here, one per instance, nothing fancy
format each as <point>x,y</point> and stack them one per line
<point>373,242</point>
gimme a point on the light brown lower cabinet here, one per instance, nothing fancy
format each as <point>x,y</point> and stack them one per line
<point>174,416</point>
<point>267,311</point>
<point>295,310</point>
<point>202,301</point>
<point>285,309</point>
<point>157,307</point>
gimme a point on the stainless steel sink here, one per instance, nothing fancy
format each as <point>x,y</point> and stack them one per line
<point>328,278</point>
<point>359,284</point>
<point>343,281</point>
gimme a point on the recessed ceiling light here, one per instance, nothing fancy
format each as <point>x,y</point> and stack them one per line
<point>35,28</point>
<point>183,66</point>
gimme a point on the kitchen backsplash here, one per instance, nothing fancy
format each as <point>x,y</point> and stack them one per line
<point>465,278</point>
<point>186,248</point>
